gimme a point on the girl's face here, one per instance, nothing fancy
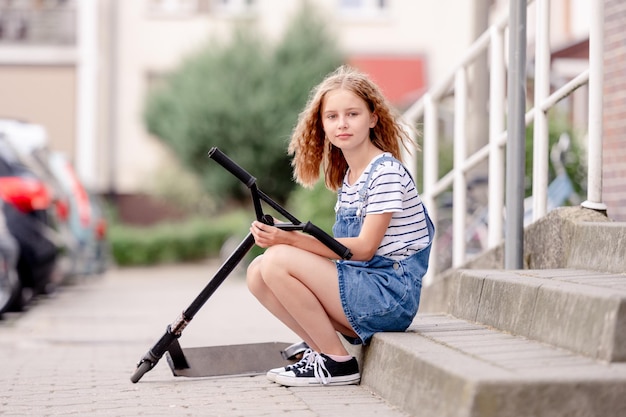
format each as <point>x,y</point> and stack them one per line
<point>346,119</point>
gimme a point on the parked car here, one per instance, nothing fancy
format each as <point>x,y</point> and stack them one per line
<point>86,215</point>
<point>31,219</point>
<point>10,288</point>
<point>29,141</point>
<point>74,216</point>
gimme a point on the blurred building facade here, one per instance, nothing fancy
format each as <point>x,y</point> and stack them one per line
<point>614,154</point>
<point>82,68</point>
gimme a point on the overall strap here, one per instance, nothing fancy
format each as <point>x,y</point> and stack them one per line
<point>363,190</point>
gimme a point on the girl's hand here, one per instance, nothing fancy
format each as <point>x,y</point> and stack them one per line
<point>266,235</point>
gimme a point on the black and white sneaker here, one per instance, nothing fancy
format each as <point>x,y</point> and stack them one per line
<point>307,357</point>
<point>322,370</point>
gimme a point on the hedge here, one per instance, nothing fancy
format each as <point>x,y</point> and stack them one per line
<point>184,241</point>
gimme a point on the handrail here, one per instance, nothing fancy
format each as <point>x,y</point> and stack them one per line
<point>415,111</point>
<point>455,86</point>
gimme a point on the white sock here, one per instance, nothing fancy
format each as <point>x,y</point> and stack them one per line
<point>340,358</point>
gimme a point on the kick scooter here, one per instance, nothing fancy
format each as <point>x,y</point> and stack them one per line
<point>177,359</point>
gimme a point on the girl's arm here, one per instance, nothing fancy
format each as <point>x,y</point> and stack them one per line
<point>362,247</point>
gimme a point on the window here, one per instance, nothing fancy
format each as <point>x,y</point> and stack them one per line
<point>363,8</point>
<point>42,22</point>
<point>172,7</point>
<point>234,7</point>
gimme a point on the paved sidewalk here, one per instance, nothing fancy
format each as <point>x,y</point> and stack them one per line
<point>72,354</point>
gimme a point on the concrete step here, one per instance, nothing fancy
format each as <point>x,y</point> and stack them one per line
<point>582,311</point>
<point>449,367</point>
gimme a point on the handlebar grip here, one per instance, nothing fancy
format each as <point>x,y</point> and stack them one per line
<point>230,165</point>
<point>327,240</point>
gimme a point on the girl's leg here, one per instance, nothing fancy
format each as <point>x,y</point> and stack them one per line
<point>266,297</point>
<point>305,295</point>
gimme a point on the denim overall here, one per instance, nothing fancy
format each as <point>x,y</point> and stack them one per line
<point>381,294</point>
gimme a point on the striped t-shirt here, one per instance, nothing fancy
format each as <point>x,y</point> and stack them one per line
<point>391,189</point>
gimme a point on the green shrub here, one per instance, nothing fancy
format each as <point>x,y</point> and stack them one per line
<point>204,237</point>
<point>243,96</point>
<point>316,205</point>
<point>185,241</point>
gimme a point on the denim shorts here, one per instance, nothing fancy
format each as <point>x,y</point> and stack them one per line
<point>381,294</point>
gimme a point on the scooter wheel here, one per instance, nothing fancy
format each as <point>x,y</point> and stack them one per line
<point>140,371</point>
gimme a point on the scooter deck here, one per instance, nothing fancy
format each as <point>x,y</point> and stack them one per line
<point>231,360</point>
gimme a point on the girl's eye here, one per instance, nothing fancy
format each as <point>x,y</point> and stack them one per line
<point>331,116</point>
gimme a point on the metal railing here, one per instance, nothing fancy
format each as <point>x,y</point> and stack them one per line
<point>426,112</point>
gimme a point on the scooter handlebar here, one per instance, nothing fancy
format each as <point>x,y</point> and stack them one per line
<point>327,240</point>
<point>243,175</point>
<point>232,167</point>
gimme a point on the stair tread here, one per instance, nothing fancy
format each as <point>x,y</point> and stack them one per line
<point>446,366</point>
<point>578,310</point>
<point>578,280</point>
<point>528,343</point>
<point>506,355</point>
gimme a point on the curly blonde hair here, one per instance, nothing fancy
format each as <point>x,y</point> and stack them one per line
<point>309,145</point>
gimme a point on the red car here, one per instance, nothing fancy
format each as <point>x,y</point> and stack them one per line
<point>31,218</point>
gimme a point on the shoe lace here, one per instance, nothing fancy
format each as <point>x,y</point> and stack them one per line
<point>307,357</point>
<point>318,363</point>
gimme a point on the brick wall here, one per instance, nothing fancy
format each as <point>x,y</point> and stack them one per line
<point>614,152</point>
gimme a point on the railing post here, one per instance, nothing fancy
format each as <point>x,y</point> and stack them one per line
<point>431,171</point>
<point>496,127</point>
<point>430,152</point>
<point>515,150</point>
<point>542,91</point>
<point>459,209</point>
<point>596,86</point>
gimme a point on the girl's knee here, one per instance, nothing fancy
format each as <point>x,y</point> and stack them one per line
<point>254,279</point>
<point>273,259</point>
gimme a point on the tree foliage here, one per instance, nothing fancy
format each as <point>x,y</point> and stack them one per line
<point>243,96</point>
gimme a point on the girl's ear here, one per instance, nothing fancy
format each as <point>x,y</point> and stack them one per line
<point>373,120</point>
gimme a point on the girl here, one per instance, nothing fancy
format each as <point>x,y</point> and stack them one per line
<point>349,131</point>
